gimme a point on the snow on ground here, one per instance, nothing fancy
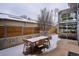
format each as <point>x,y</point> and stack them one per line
<point>13,51</point>
<point>17,50</point>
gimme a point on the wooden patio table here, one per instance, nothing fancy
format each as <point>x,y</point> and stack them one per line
<point>33,40</point>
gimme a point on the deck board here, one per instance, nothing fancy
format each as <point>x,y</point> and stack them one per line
<point>64,46</point>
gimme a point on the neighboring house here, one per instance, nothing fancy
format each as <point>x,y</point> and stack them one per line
<point>68,22</point>
<point>13,30</point>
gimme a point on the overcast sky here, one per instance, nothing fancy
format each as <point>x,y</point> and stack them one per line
<point>29,9</point>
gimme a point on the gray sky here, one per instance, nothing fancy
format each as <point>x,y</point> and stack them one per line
<point>29,9</point>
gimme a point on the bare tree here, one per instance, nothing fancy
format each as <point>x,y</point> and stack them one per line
<point>45,20</point>
<point>55,16</point>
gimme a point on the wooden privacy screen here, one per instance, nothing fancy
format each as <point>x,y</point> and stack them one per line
<point>30,30</point>
<point>14,31</point>
<point>27,30</point>
<point>2,32</point>
<point>17,31</point>
<point>36,30</point>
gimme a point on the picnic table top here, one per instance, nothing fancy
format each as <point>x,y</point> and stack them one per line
<point>34,39</point>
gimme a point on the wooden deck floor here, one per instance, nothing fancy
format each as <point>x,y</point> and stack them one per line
<point>64,46</point>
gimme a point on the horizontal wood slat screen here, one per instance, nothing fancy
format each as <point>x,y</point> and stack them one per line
<point>28,30</point>
<point>17,31</point>
<point>2,32</point>
<point>36,30</point>
<point>14,31</point>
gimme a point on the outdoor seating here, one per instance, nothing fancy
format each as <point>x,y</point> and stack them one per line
<point>27,46</point>
<point>35,44</point>
<point>47,43</point>
<point>43,44</point>
<point>40,43</point>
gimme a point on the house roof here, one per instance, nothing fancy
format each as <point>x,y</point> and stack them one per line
<point>4,16</point>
